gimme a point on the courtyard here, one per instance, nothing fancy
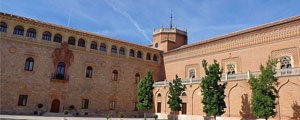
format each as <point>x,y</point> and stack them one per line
<point>22,117</point>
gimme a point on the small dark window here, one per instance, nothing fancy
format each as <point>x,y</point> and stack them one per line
<point>131,53</point>
<point>156,45</point>
<point>3,27</point>
<point>19,30</point>
<point>135,106</point>
<point>85,103</point>
<point>114,49</point>
<point>23,100</point>
<point>31,33</point>
<point>60,71</point>
<point>58,38</point>
<point>137,77</point>
<point>94,45</point>
<point>29,64</point>
<point>81,43</point>
<point>122,51</point>
<point>139,54</point>
<point>115,75</point>
<point>159,95</point>
<point>102,47</point>
<point>46,36</point>
<point>71,41</point>
<point>148,57</point>
<point>89,72</point>
<point>154,57</point>
<point>183,94</point>
<point>158,109</point>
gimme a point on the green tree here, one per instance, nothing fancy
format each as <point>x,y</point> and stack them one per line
<point>145,95</point>
<point>176,89</point>
<point>212,91</point>
<point>264,93</point>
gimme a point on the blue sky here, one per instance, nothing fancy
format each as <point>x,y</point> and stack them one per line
<point>134,20</point>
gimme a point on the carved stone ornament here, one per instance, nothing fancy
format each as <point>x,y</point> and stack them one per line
<point>63,54</point>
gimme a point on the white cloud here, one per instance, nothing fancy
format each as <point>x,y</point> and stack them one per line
<point>125,14</point>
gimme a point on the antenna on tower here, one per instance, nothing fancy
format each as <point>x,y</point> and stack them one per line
<point>171,26</point>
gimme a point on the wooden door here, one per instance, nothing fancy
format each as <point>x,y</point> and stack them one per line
<point>183,108</point>
<point>55,106</point>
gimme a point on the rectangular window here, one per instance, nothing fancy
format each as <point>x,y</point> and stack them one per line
<point>183,108</point>
<point>85,103</point>
<point>22,100</point>
<point>112,105</point>
<point>158,107</point>
<point>135,106</point>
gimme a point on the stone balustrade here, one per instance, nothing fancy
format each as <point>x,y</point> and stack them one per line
<point>238,76</point>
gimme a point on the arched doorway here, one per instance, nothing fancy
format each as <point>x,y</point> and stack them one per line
<point>55,106</point>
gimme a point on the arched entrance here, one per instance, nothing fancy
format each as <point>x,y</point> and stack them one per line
<point>55,106</point>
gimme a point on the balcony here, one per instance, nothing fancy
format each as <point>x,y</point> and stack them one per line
<point>238,76</point>
<point>59,78</point>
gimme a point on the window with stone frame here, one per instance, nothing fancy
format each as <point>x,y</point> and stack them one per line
<point>155,57</point>
<point>89,72</point>
<point>122,51</point>
<point>71,41</point>
<point>102,47</point>
<point>231,69</point>
<point>131,53</point>
<point>285,62</point>
<point>94,45</point>
<point>46,36</point>
<point>81,43</point>
<point>148,56</point>
<point>192,73</point>
<point>85,104</point>
<point>115,75</point>
<point>112,105</point>
<point>3,27</point>
<point>139,54</point>
<point>31,33</point>
<point>114,49</point>
<point>19,30</point>
<point>29,64</point>
<point>22,100</point>
<point>58,38</point>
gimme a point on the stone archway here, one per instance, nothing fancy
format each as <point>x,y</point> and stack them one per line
<point>55,106</point>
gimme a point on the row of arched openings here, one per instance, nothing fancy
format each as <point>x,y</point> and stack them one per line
<point>47,36</point>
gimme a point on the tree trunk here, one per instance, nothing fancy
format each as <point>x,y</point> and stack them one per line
<point>174,118</point>
<point>215,117</point>
<point>145,115</point>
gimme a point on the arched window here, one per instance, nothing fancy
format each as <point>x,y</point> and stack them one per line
<point>122,51</point>
<point>29,64</point>
<point>131,53</point>
<point>58,38</point>
<point>148,56</point>
<point>31,33</point>
<point>3,27</point>
<point>285,62</point>
<point>60,71</point>
<point>46,36</point>
<point>154,57</point>
<point>19,30</point>
<point>71,41</point>
<point>230,69</point>
<point>159,95</point>
<point>192,73</point>
<point>139,54</point>
<point>102,47</point>
<point>137,77</point>
<point>115,75</point>
<point>94,45</point>
<point>81,43</point>
<point>113,49</point>
<point>183,94</point>
<point>89,72</point>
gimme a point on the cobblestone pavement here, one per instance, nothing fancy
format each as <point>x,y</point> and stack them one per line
<point>23,117</point>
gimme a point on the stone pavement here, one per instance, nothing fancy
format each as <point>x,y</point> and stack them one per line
<point>23,117</point>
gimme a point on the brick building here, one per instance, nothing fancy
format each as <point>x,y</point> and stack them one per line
<point>43,63</point>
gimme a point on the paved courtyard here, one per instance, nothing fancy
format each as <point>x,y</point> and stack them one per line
<point>22,117</point>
